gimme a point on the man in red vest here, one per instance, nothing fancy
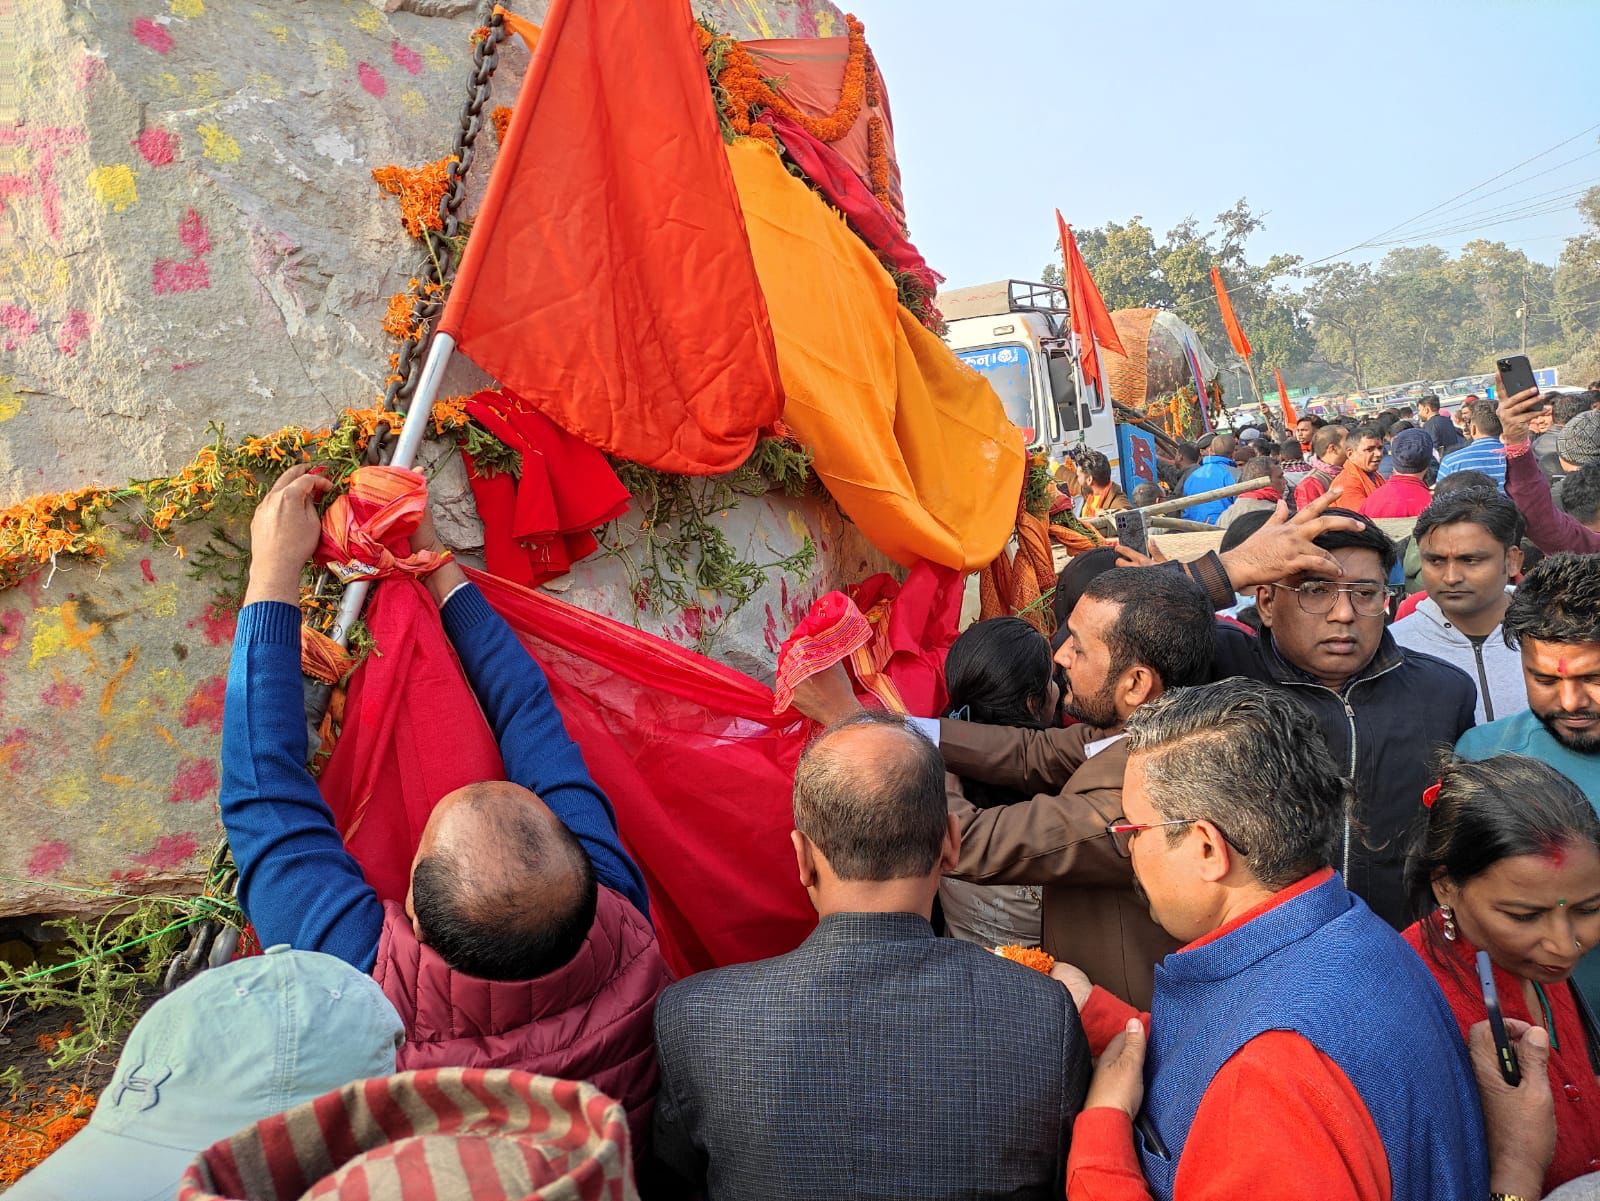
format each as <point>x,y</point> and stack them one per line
<point>525,941</point>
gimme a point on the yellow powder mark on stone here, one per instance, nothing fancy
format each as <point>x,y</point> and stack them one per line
<point>437,59</point>
<point>132,822</point>
<point>414,101</point>
<point>204,85</point>
<point>824,24</point>
<point>367,19</point>
<point>114,186</point>
<point>165,691</point>
<point>187,9</point>
<point>268,85</point>
<point>66,792</point>
<point>217,145</point>
<point>281,32</point>
<point>163,600</point>
<point>334,56</point>
<point>10,399</point>
<point>56,631</point>
<point>35,278</point>
<point>797,527</point>
<point>167,84</point>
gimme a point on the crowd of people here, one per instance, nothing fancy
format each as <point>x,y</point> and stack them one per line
<point>1261,812</point>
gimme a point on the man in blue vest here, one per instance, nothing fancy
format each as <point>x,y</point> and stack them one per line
<point>1296,1046</point>
<point>1216,470</point>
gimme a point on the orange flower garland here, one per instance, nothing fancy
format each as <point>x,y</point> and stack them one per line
<point>420,190</point>
<point>746,90</point>
<point>1038,960</point>
<point>29,1133</point>
<point>500,118</point>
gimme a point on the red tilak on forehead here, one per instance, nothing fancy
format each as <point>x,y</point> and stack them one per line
<point>1561,667</point>
<point>1556,854</point>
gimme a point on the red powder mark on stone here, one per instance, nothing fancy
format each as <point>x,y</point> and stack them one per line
<point>691,622</point>
<point>73,333</point>
<point>169,275</point>
<point>371,80</point>
<point>184,366</point>
<point>15,752</point>
<point>406,59</point>
<point>158,147</point>
<point>769,633</point>
<point>63,694</point>
<point>149,576</point>
<point>48,858</point>
<point>204,705</point>
<point>19,324</point>
<point>192,233</point>
<point>170,851</point>
<point>11,623</point>
<point>196,780</point>
<point>132,876</point>
<point>216,623</point>
<point>152,36</point>
<point>90,67</point>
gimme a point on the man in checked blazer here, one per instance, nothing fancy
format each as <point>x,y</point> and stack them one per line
<point>876,1060</point>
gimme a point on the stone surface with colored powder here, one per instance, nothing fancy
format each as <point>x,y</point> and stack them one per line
<point>195,238</point>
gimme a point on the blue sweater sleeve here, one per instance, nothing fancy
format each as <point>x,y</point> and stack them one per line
<point>534,744</point>
<point>297,883</point>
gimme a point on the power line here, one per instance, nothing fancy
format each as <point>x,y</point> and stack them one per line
<point>1567,190</point>
<point>1516,184</point>
<point>1542,209</point>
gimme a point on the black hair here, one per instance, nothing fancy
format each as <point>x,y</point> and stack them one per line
<point>1267,448</point>
<point>879,817</point>
<point>1243,526</point>
<point>1402,424</point>
<point>1580,493</point>
<point>1486,811</point>
<point>1325,438</point>
<point>1081,570</point>
<point>1369,429</point>
<point>1189,452</point>
<point>1259,468</point>
<point>999,671</point>
<point>1368,537</point>
<point>1428,400</point>
<point>1463,479</point>
<point>1163,622</point>
<point>1567,405</point>
<point>1098,468</point>
<point>1558,601</point>
<point>1485,418</point>
<point>499,922</point>
<point>1488,507</point>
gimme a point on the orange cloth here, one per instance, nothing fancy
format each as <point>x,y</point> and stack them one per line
<point>1358,484</point>
<point>608,279</point>
<point>1087,308</point>
<point>382,504</point>
<point>1289,418</point>
<point>1229,322</point>
<point>912,444</point>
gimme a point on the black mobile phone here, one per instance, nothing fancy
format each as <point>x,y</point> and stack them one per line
<point>1507,1058</point>
<point>1516,375</point>
<point>1131,531</point>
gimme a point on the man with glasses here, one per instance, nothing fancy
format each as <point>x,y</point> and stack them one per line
<point>1295,1045</point>
<point>1382,709</point>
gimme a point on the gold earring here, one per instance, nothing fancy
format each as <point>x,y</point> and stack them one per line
<point>1449,923</point>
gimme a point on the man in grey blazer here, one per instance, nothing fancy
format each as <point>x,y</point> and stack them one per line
<point>876,1060</point>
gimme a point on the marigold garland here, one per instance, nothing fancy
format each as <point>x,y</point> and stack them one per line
<point>500,118</point>
<point>1039,960</point>
<point>420,190</point>
<point>744,91</point>
<point>30,1132</point>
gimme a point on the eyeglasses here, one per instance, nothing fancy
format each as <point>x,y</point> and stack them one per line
<point>1319,596</point>
<point>1123,833</point>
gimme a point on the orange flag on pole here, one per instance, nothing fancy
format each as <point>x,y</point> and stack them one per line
<point>1229,322</point>
<point>608,280</point>
<point>1090,320</point>
<point>1289,418</point>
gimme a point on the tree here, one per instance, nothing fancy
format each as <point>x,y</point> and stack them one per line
<point>1343,300</point>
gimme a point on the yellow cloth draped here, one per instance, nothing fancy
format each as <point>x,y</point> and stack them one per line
<point>911,442</point>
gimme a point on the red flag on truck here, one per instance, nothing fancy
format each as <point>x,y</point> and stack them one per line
<point>1090,320</point>
<point>1241,344</point>
<point>608,280</point>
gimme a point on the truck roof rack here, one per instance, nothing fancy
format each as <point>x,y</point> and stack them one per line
<point>1004,296</point>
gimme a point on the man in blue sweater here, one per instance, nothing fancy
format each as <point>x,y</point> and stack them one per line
<point>1216,470</point>
<point>525,940</point>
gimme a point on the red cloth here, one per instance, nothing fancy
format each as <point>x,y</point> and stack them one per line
<point>1090,319</point>
<point>913,626</point>
<point>609,280</point>
<point>1572,1078</point>
<point>590,1019</point>
<point>1241,344</point>
<point>1314,485</point>
<point>1279,1096</point>
<point>382,505</point>
<point>537,526</point>
<point>1409,605</point>
<point>1400,496</point>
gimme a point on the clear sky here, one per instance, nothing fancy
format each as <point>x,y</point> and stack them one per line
<point>1338,120</point>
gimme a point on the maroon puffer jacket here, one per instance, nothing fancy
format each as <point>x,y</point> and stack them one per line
<point>590,1020</point>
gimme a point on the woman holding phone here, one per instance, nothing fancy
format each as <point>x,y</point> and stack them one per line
<point>1508,863</point>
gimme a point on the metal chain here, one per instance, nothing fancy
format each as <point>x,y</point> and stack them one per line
<point>214,942</point>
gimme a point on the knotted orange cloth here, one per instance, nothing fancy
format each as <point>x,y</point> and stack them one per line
<point>912,443</point>
<point>382,504</point>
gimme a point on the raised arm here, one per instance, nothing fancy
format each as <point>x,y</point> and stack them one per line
<point>297,883</point>
<point>1551,530</point>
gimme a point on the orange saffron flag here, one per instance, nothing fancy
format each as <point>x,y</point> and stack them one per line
<point>1087,308</point>
<point>1289,418</point>
<point>1241,344</point>
<point>608,280</point>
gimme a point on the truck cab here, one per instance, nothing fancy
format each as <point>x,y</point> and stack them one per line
<point>1015,333</point>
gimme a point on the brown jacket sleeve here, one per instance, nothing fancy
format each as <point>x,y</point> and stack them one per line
<point>1055,838</point>
<point>1012,756</point>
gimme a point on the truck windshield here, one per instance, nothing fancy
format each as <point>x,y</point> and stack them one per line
<point>1009,369</point>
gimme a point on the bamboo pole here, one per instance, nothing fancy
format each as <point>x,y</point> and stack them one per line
<point>1179,503</point>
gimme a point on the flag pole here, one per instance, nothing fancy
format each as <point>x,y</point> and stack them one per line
<point>412,431</point>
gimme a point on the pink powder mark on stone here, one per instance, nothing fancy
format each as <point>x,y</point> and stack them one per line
<point>769,631</point>
<point>371,80</point>
<point>170,851</point>
<point>63,694</point>
<point>149,575</point>
<point>19,324</point>
<point>74,332</point>
<point>184,366</point>
<point>90,67</point>
<point>196,780</point>
<point>406,59</point>
<point>192,233</point>
<point>158,147</point>
<point>215,623</point>
<point>204,706</point>
<point>169,275</point>
<point>48,858</point>
<point>152,36</point>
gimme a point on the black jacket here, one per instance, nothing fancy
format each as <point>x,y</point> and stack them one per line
<point>1384,733</point>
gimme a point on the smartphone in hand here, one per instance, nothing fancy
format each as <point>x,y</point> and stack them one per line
<point>1504,1054</point>
<point>1516,375</point>
<point>1131,530</point>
